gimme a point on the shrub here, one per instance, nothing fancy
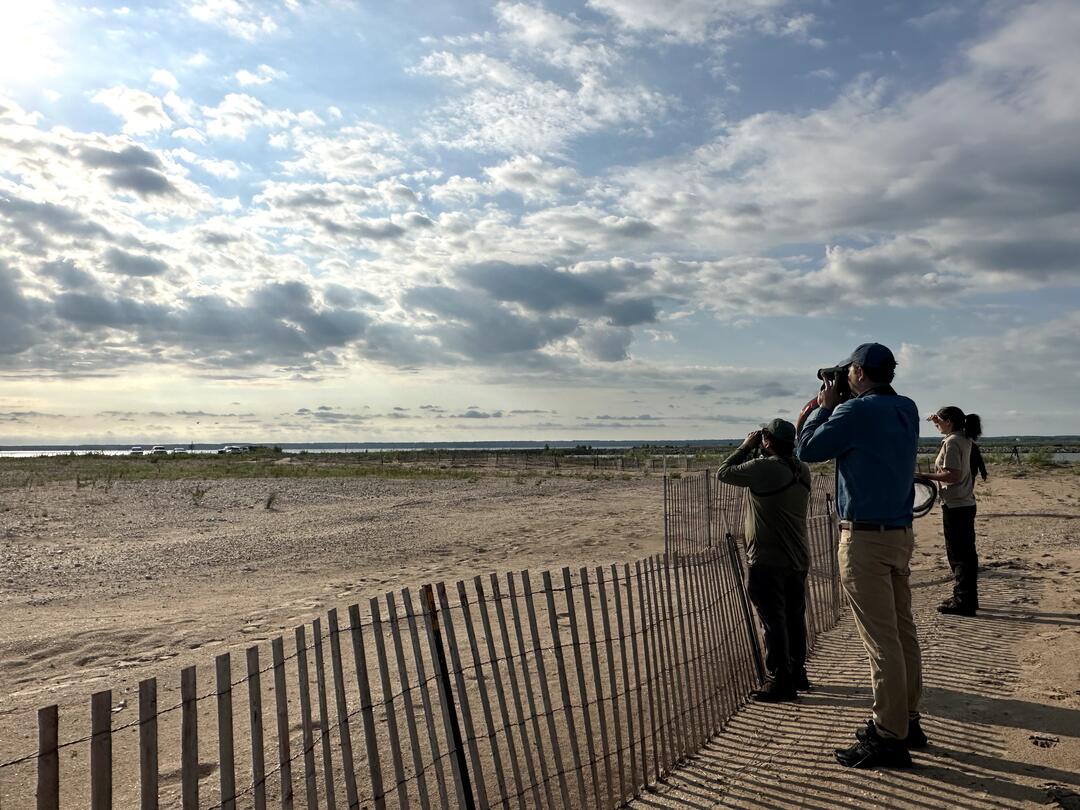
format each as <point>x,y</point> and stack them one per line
<point>1040,458</point>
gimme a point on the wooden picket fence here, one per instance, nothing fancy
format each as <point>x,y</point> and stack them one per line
<point>701,513</point>
<point>577,688</point>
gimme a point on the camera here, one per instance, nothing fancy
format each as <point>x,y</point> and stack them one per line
<point>837,375</point>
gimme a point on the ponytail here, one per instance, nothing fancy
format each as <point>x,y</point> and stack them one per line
<point>972,426</point>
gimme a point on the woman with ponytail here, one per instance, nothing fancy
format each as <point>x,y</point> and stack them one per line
<point>973,430</point>
<point>955,471</point>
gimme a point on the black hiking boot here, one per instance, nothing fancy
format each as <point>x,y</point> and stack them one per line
<point>915,738</point>
<point>874,751</point>
<point>774,692</point>
<point>802,683</point>
<point>951,607</point>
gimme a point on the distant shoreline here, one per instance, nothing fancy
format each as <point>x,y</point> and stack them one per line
<point>519,444</point>
<point>1057,444</point>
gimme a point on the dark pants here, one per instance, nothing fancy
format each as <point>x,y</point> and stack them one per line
<point>779,595</point>
<point>958,523</point>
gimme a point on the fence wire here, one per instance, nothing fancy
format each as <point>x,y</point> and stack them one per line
<point>521,691</point>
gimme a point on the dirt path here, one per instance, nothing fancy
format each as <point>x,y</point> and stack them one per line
<point>1002,690</point>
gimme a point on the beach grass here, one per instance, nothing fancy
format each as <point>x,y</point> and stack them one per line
<point>96,471</point>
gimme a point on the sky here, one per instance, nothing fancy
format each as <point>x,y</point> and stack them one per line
<point>320,220</point>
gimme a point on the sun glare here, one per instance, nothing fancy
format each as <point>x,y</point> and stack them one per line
<point>28,47</point>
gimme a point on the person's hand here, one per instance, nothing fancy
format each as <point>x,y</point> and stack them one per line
<point>828,397</point>
<point>753,439</point>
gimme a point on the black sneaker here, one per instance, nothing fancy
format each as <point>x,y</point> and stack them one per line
<point>915,738</point>
<point>802,683</point>
<point>874,752</point>
<point>773,692</point>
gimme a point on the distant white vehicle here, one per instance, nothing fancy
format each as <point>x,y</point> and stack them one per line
<point>158,450</point>
<point>136,450</point>
<point>179,450</point>
<point>232,448</point>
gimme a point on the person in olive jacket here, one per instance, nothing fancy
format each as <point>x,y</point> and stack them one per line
<point>777,552</point>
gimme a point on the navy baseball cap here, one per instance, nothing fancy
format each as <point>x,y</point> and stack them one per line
<point>871,355</point>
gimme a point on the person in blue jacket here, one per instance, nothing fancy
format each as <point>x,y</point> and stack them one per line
<point>874,438</point>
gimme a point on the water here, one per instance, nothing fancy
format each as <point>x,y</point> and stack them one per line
<point>374,447</point>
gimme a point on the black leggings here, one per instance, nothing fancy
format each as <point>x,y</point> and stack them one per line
<point>958,523</point>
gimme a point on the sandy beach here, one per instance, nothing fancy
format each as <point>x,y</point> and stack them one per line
<point>102,587</point>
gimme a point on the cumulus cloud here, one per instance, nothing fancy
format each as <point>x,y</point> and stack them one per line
<point>164,79</point>
<point>238,112</point>
<point>532,177</point>
<point>925,209</point>
<point>142,112</point>
<point>263,74</point>
<point>129,264</point>
<point>267,242</point>
<point>355,152</point>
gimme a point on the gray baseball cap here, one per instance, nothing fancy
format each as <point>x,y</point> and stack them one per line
<point>780,429</point>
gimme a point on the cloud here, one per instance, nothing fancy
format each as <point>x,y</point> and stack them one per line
<point>239,112</point>
<point>141,111</point>
<point>504,108</point>
<point>481,332</point>
<point>17,330</point>
<point>532,177</point>
<point>608,345</point>
<point>558,40</point>
<point>128,264</point>
<point>264,74</point>
<point>478,414</point>
<point>598,291</point>
<point>692,21</point>
<point>164,79</point>
<point>218,168</point>
<point>913,209</point>
<point>41,222</point>
<point>355,152</point>
<point>129,167</point>
<point>241,18</point>
<point>190,134</point>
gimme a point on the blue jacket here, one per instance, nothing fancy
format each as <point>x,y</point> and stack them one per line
<point>874,439</point>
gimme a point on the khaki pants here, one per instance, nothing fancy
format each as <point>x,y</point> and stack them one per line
<point>875,572</point>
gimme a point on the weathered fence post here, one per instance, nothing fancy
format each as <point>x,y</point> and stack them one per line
<point>751,631</point>
<point>446,699</point>
<point>303,683</point>
<point>226,760</point>
<point>101,770</point>
<point>189,739</point>
<point>277,647</point>
<point>48,764</point>
<point>344,732</point>
<point>366,711</point>
<point>148,745</point>
<point>255,720</point>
